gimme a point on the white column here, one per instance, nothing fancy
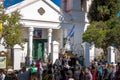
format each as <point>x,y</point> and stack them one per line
<point>49,40</point>
<point>31,29</point>
<point>111,54</point>
<point>45,52</point>
<point>92,52</point>
<point>86,47</point>
<point>55,51</point>
<point>17,57</point>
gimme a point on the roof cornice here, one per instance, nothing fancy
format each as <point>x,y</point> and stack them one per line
<point>52,5</point>
<point>25,3</point>
<point>20,5</point>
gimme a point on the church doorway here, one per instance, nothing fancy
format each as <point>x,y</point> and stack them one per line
<point>38,48</point>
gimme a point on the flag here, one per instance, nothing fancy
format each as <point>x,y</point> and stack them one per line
<point>0,28</point>
<point>71,32</point>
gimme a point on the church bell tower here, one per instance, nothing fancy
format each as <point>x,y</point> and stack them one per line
<point>76,8</point>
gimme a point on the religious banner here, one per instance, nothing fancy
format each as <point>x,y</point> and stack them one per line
<point>37,34</point>
<point>3,62</point>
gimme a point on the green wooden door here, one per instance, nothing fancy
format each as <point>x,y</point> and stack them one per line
<point>38,48</point>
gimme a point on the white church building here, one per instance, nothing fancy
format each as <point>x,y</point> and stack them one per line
<point>46,25</point>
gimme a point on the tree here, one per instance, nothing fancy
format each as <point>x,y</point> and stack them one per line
<point>104,26</point>
<point>103,10</point>
<point>11,31</point>
<point>11,28</point>
<point>114,32</point>
<point>96,34</point>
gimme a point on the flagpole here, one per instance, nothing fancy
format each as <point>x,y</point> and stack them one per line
<point>73,44</point>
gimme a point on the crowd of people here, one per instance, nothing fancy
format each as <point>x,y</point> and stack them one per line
<point>64,68</point>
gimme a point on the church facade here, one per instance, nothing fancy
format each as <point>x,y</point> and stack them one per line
<point>44,22</point>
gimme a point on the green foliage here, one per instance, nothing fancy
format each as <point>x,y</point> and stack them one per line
<point>115,36</point>
<point>103,10</point>
<point>104,28</point>
<point>12,28</point>
<point>95,33</point>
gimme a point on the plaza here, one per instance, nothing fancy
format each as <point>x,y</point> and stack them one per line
<point>54,47</point>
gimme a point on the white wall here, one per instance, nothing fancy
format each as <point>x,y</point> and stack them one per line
<point>31,12</point>
<point>19,56</point>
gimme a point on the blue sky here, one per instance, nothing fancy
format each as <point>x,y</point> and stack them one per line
<point>57,2</point>
<point>8,3</point>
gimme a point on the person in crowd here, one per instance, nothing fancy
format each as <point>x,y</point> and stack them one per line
<point>27,61</point>
<point>57,75</point>
<point>49,65</point>
<point>107,71</point>
<point>70,73</point>
<point>2,75</point>
<point>77,65</point>
<point>94,73</point>
<point>69,60</point>
<point>39,69</point>
<point>77,70</point>
<point>49,75</point>
<point>44,73</point>
<point>99,72</point>
<point>117,74</point>
<point>64,75</point>
<point>66,66</point>
<point>70,70</point>
<point>113,72</point>
<point>33,71</point>
<point>11,75</point>
<point>23,74</point>
<point>81,60</point>
<point>64,59</point>
<point>86,74</point>
<point>57,63</point>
